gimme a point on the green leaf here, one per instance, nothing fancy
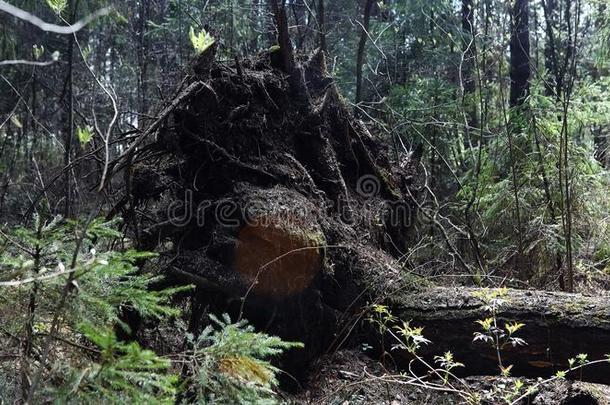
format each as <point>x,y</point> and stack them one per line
<point>486,324</point>
<point>37,51</point>
<point>582,358</point>
<point>84,135</point>
<point>518,385</point>
<point>506,370</point>
<point>513,327</point>
<point>58,6</point>
<point>16,121</point>
<point>201,41</point>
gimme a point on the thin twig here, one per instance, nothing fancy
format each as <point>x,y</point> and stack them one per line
<point>17,283</point>
<point>25,62</point>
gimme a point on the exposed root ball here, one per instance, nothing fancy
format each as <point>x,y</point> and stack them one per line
<point>254,194</point>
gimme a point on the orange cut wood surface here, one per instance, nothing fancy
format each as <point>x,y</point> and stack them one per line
<point>276,260</point>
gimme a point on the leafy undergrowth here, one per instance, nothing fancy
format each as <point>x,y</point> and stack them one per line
<point>64,288</point>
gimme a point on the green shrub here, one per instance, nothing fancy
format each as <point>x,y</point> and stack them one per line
<point>63,285</point>
<point>229,364</point>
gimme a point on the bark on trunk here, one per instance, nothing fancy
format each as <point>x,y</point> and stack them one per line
<point>558,326</point>
<point>520,53</point>
<point>361,48</point>
<point>322,26</point>
<point>468,46</point>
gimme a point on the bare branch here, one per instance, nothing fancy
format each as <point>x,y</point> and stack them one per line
<point>17,283</point>
<point>58,29</point>
<point>25,62</point>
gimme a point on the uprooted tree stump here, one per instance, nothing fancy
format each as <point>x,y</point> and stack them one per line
<point>277,204</point>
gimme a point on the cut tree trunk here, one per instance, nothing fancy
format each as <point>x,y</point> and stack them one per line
<point>558,326</point>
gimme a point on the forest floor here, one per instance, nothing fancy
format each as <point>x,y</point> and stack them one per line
<point>353,378</point>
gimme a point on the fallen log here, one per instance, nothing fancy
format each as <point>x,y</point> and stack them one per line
<point>558,326</point>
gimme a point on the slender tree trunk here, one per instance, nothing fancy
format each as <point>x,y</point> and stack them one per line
<point>28,342</point>
<point>600,132</point>
<point>231,26</point>
<point>298,23</point>
<point>11,165</point>
<point>142,52</point>
<point>467,72</point>
<point>520,70</point>
<point>296,79</point>
<point>69,137</point>
<point>550,51</point>
<point>322,26</point>
<point>568,79</point>
<point>361,48</point>
<point>564,80</point>
<point>32,147</point>
<point>468,32</point>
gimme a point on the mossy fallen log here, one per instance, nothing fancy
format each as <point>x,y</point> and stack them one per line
<point>557,327</point>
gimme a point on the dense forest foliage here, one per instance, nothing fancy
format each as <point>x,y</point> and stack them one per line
<point>484,124</point>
